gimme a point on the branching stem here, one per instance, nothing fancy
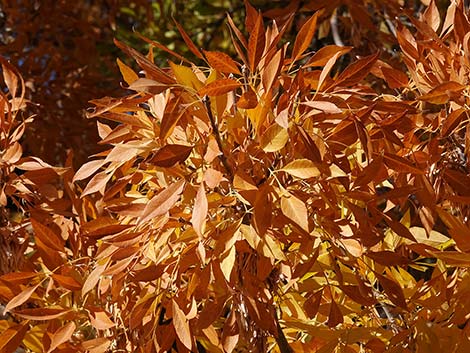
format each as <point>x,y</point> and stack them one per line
<point>216,132</point>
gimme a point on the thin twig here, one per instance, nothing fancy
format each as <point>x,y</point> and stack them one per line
<point>215,130</point>
<point>334,30</point>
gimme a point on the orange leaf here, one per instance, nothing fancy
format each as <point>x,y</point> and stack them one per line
<point>322,56</point>
<point>295,209</point>
<point>100,320</point>
<point>62,335</point>
<point>189,42</point>
<point>256,43</point>
<point>127,73</point>
<point>400,164</point>
<point>442,93</point>
<point>248,100</point>
<point>219,87</point>
<point>304,37</point>
<point>356,71</point>
<point>198,217</point>
<point>67,282</point>
<point>394,77</point>
<point>274,138</point>
<point>93,278</point>
<point>47,236</point>
<point>393,291</point>
<point>11,338</point>
<point>88,169</point>
<point>41,313</point>
<point>163,202</point>
<point>19,299</point>
<point>181,324</point>
<point>221,62</point>
<point>169,155</point>
<point>301,168</point>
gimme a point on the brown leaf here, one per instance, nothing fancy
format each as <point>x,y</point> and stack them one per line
<point>221,62</point>
<point>324,106</point>
<point>212,178</point>
<point>355,294</point>
<point>400,164</point>
<point>335,317</point>
<point>219,87</point>
<point>152,70</point>
<point>304,38</point>
<point>388,258</point>
<point>163,201</point>
<point>432,16</point>
<point>169,155</point>
<point>393,291</point>
<point>312,304</point>
<point>103,226</point>
<point>394,77</point>
<point>271,70</point>
<point>88,169</point>
<point>97,345</point>
<point>97,183</point>
<point>369,172</point>
<point>49,238</point>
<point>93,278</point>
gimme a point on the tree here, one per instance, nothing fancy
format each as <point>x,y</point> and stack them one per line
<point>281,201</point>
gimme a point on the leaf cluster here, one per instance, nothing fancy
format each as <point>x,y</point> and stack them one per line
<point>274,200</point>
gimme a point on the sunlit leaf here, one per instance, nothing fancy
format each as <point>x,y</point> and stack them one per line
<point>301,168</point>
<point>274,138</point>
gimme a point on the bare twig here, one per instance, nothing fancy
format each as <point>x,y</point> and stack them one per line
<point>334,29</point>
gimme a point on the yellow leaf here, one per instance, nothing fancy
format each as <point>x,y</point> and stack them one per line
<point>302,168</point>
<point>127,73</point>
<point>295,209</point>
<point>274,138</point>
<point>185,76</point>
<point>226,265</point>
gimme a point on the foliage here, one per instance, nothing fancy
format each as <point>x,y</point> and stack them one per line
<point>282,201</point>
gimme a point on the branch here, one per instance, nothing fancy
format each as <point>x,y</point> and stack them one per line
<point>215,130</point>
